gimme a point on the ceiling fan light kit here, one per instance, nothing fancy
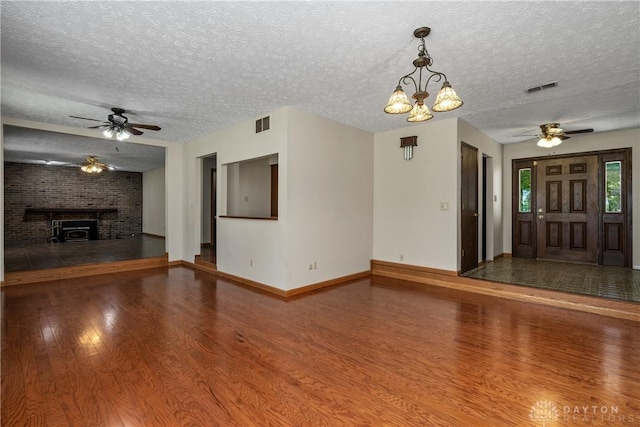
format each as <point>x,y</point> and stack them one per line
<point>553,135</point>
<point>549,142</point>
<point>446,100</point>
<point>93,166</point>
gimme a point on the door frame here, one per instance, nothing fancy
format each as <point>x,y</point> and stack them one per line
<point>530,251</point>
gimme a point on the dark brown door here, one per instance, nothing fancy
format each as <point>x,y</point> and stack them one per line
<point>567,209</point>
<point>274,191</point>
<point>469,208</point>
<point>214,208</point>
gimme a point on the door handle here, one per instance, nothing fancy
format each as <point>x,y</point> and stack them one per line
<point>540,210</point>
<point>540,216</point>
<point>475,214</point>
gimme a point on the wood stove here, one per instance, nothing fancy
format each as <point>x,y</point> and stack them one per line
<point>74,230</point>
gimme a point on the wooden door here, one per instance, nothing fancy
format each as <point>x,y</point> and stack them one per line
<point>567,209</point>
<point>469,208</point>
<point>214,208</point>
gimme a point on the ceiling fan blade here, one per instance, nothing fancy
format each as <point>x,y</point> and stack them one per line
<point>150,127</point>
<point>134,131</point>
<point>563,137</point>
<point>84,118</point>
<point>571,132</point>
<point>98,127</point>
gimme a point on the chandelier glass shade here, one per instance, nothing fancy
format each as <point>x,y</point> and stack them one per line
<point>419,113</point>
<point>446,100</point>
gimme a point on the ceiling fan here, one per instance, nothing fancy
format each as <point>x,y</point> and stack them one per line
<point>92,165</point>
<point>118,125</point>
<point>553,135</point>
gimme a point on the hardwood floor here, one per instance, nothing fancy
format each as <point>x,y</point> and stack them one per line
<point>178,347</point>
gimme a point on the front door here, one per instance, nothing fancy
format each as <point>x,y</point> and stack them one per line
<point>566,212</point>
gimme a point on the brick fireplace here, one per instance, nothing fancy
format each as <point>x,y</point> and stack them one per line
<point>37,195</point>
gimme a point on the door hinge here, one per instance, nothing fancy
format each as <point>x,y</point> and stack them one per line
<point>463,252</point>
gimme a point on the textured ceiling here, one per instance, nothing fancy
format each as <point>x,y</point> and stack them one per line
<point>41,147</point>
<point>197,67</point>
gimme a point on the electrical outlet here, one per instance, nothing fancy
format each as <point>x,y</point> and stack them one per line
<point>401,257</point>
<point>315,265</point>
<point>251,262</point>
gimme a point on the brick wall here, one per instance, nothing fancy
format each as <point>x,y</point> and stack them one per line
<point>42,186</point>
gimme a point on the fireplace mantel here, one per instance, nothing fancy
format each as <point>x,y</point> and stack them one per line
<point>61,211</point>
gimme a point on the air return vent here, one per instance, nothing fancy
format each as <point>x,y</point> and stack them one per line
<point>541,87</point>
<point>262,124</point>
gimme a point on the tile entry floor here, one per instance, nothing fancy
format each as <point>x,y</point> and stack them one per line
<point>32,256</point>
<point>620,283</point>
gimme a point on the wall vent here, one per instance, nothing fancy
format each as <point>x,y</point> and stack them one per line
<point>541,87</point>
<point>262,124</point>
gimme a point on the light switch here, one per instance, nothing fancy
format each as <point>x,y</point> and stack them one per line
<point>444,206</point>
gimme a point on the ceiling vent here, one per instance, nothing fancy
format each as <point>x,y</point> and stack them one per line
<point>262,124</point>
<point>541,87</point>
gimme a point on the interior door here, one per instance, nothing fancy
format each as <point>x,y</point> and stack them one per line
<point>469,208</point>
<point>567,209</point>
<point>214,214</point>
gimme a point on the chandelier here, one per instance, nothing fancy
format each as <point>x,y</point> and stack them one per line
<point>446,100</point>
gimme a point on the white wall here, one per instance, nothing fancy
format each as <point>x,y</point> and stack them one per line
<point>249,188</point>
<point>407,219</point>
<point>330,199</point>
<point>325,200</point>
<point>489,148</point>
<point>153,202</point>
<point>578,144</point>
<point>240,241</point>
<point>175,207</point>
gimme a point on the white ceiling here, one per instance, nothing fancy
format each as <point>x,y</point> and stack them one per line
<point>197,67</point>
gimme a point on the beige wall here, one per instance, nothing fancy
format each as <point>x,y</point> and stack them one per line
<point>330,199</point>
<point>324,206</point>
<point>578,144</point>
<point>153,202</point>
<point>409,225</point>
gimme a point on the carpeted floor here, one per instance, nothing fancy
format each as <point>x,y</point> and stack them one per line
<point>608,282</point>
